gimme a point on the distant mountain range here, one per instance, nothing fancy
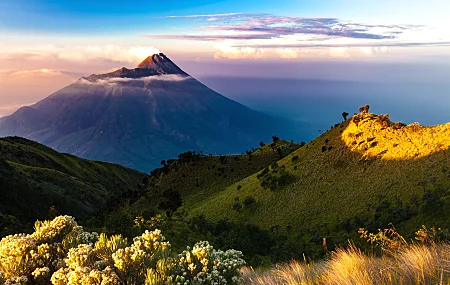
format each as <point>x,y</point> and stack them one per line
<point>138,117</point>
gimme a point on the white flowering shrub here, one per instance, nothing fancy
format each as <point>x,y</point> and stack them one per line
<point>60,252</point>
<point>205,265</point>
<point>33,258</point>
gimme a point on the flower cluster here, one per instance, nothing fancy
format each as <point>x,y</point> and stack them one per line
<point>60,252</point>
<point>32,258</point>
<point>205,265</point>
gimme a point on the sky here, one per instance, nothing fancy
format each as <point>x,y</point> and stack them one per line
<point>48,44</point>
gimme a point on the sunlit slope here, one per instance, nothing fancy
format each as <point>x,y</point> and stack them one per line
<point>365,172</point>
<point>34,177</point>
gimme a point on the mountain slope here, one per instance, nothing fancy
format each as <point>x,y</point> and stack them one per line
<point>34,177</point>
<point>191,179</point>
<point>365,172</point>
<point>137,117</point>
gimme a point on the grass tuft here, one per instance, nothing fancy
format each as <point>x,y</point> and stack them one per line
<point>417,264</point>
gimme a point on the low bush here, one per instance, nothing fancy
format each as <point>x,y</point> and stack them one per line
<point>60,252</point>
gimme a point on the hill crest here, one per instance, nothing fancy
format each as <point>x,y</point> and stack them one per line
<point>376,136</point>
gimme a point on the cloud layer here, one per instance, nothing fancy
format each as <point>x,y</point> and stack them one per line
<point>255,36</point>
<point>114,81</point>
<point>124,54</point>
<point>265,26</point>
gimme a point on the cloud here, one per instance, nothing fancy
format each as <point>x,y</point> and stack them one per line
<point>350,45</point>
<point>130,54</point>
<point>115,81</point>
<point>225,15</point>
<point>41,74</point>
<point>231,50</point>
<point>37,72</point>
<point>287,52</point>
<point>243,35</point>
<point>237,26</point>
<point>227,51</point>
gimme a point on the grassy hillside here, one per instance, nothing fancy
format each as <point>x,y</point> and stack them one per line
<point>365,172</point>
<point>34,178</point>
<point>194,177</point>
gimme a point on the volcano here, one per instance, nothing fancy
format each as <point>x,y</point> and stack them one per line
<point>138,117</point>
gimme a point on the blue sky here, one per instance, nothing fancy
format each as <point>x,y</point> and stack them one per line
<point>49,43</point>
<point>210,24</point>
<point>99,17</point>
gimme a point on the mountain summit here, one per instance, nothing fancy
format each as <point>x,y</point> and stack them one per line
<point>161,64</point>
<point>138,117</point>
<point>157,64</point>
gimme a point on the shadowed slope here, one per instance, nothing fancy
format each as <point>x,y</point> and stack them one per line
<point>34,177</point>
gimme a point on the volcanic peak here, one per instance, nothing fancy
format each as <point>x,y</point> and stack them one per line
<point>157,64</point>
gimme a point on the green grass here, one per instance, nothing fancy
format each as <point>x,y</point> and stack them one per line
<point>193,181</point>
<point>206,175</point>
<point>34,177</point>
<point>335,186</point>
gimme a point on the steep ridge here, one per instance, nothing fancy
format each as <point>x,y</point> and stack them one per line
<point>34,178</point>
<point>365,172</point>
<point>137,117</point>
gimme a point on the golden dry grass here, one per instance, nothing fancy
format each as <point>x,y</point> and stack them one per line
<point>371,138</point>
<point>417,264</point>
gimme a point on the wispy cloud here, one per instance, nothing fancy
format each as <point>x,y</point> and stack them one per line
<point>241,35</point>
<point>39,73</point>
<point>232,50</point>
<point>217,16</point>
<point>336,45</point>
<point>35,72</point>
<point>239,26</point>
<point>130,54</point>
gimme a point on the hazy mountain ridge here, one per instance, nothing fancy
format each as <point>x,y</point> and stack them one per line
<point>34,177</point>
<point>139,117</point>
